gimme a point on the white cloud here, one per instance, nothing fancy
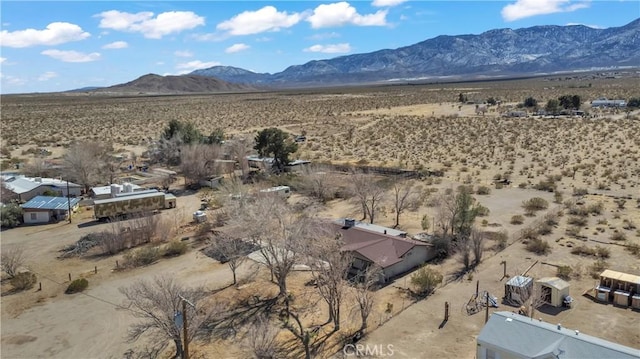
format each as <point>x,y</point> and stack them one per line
<point>254,22</point>
<point>186,67</point>
<point>3,59</point>
<point>341,13</point>
<point>330,49</point>
<point>526,8</point>
<point>185,53</point>
<point>236,48</point>
<point>153,28</point>
<point>47,76</point>
<point>56,33</point>
<point>323,36</point>
<point>116,45</point>
<point>387,3</point>
<point>71,56</point>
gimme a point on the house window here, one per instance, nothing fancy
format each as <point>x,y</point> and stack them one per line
<point>34,216</point>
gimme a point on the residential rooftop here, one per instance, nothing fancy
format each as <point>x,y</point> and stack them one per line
<point>126,198</point>
<point>50,203</point>
<point>522,336</point>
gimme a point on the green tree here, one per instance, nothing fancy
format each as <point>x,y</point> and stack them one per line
<point>552,106</point>
<point>273,142</point>
<point>491,101</point>
<point>186,132</point>
<point>216,137</point>
<point>570,102</point>
<point>466,213</point>
<point>530,102</point>
<point>10,215</point>
<point>462,98</point>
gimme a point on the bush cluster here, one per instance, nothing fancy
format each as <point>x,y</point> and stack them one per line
<point>538,246</point>
<point>78,285</point>
<point>23,281</point>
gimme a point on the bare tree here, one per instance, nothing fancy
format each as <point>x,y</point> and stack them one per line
<point>463,247</point>
<point>156,303</point>
<point>239,148</point>
<point>261,339</point>
<point>281,233</point>
<point>11,260</point>
<point>111,166</point>
<point>477,245</point>
<point>404,197</point>
<point>231,250</point>
<point>84,161</point>
<point>369,193</point>
<point>329,267</point>
<point>365,297</point>
<point>198,162</point>
<point>318,183</point>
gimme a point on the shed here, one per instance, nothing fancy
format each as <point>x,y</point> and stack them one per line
<point>43,209</point>
<point>518,289</point>
<point>553,289</point>
<point>618,287</point>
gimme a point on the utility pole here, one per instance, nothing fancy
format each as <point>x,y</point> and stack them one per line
<point>69,201</point>
<point>185,326</point>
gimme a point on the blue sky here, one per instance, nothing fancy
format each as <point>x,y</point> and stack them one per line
<point>56,46</point>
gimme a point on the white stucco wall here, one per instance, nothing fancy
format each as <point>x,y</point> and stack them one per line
<point>40,217</point>
<point>412,259</point>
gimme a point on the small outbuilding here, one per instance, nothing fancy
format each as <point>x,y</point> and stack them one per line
<point>553,289</point>
<point>619,288</point>
<point>43,209</point>
<point>518,289</point>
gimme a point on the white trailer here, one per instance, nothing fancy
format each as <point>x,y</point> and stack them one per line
<point>282,191</point>
<point>123,206</point>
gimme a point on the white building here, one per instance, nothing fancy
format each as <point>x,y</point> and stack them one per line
<point>26,188</point>
<point>43,209</point>
<point>104,192</point>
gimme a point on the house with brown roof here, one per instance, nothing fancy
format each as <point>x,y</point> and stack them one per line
<point>395,255</point>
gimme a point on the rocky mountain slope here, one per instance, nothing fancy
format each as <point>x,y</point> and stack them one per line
<point>500,52</point>
<point>156,84</point>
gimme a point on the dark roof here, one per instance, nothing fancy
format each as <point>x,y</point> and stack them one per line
<point>45,202</point>
<point>381,249</point>
<point>525,337</point>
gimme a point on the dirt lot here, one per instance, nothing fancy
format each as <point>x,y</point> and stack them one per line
<point>414,127</point>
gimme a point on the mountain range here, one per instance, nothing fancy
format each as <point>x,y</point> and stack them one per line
<point>496,53</point>
<point>500,52</point>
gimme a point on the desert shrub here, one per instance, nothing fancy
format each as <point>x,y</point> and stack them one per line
<point>577,210</point>
<point>551,219</point>
<point>577,221</point>
<point>545,185</point>
<point>78,285</point>
<point>23,281</point>
<point>557,197</point>
<point>538,246</point>
<point>573,231</point>
<point>10,215</point>
<point>529,233</point>
<point>597,251</point>
<point>426,279</point>
<point>482,211</point>
<point>596,208</point>
<point>545,229</point>
<point>175,248</point>
<point>598,267</point>
<point>535,204</point>
<point>141,257</point>
<point>522,185</point>
<point>618,236</point>
<point>628,224</point>
<point>564,272</point>
<point>517,219</point>
<point>424,223</point>
<point>634,248</point>
<point>442,246</point>
<point>483,190</point>
<point>580,191</point>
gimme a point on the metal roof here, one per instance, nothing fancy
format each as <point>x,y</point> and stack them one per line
<point>554,282</point>
<point>519,281</point>
<point>525,337</point>
<point>22,184</point>
<point>623,277</point>
<point>375,228</point>
<point>135,196</point>
<point>44,202</point>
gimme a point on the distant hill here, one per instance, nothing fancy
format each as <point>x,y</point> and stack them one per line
<point>500,52</point>
<point>156,84</point>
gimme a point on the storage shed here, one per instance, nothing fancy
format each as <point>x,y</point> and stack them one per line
<point>518,289</point>
<point>619,288</point>
<point>553,289</point>
<point>43,209</point>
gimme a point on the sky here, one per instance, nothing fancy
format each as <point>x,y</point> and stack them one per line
<point>50,46</point>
